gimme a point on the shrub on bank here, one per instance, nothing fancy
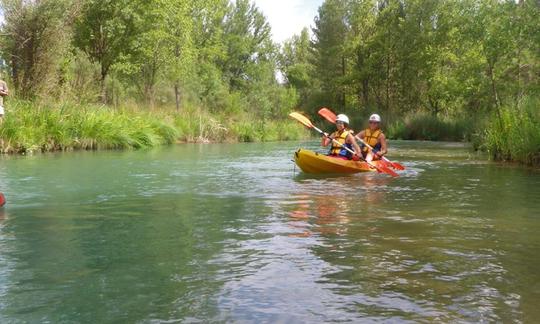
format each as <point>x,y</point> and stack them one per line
<point>513,134</point>
<point>427,127</point>
<point>30,127</point>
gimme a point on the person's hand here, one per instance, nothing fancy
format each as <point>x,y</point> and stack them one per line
<point>356,158</point>
<point>326,134</point>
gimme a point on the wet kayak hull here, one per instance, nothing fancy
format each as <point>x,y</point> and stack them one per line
<point>316,163</point>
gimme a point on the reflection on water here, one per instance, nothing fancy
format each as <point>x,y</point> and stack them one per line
<point>231,233</point>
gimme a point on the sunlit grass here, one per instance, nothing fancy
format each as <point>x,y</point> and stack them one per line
<point>427,127</point>
<point>514,133</point>
<point>32,127</point>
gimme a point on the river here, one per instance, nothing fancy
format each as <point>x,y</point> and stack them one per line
<point>236,233</point>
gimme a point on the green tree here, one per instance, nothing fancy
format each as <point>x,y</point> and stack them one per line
<point>105,31</point>
<point>330,60</point>
<point>296,66</point>
<point>36,38</point>
<point>249,46</point>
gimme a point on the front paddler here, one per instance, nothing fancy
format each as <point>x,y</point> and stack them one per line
<point>373,136</point>
<point>344,137</point>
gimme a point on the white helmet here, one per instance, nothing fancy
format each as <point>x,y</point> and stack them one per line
<point>342,118</point>
<point>375,118</point>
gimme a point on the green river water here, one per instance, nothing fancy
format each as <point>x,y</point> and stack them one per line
<point>231,233</point>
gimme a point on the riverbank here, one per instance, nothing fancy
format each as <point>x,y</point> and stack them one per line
<point>426,127</point>
<point>513,133</point>
<point>31,127</point>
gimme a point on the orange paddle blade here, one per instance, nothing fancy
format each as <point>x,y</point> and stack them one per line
<point>389,171</point>
<point>397,166</point>
<point>328,115</point>
<point>386,163</point>
<point>302,119</point>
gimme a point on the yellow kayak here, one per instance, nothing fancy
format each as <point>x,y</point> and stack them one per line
<point>313,162</point>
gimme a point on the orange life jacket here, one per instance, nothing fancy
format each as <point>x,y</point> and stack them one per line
<point>372,138</point>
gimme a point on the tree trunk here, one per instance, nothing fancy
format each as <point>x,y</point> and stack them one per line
<point>343,71</point>
<point>365,92</point>
<point>102,85</point>
<point>493,86</point>
<point>387,83</point>
<point>434,106</point>
<point>519,48</point>
<point>495,94</point>
<point>177,97</point>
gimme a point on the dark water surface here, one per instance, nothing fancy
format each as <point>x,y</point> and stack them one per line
<point>228,233</point>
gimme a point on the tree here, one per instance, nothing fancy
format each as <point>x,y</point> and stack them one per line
<point>296,65</point>
<point>36,39</point>
<point>330,61</point>
<point>249,46</point>
<point>105,30</point>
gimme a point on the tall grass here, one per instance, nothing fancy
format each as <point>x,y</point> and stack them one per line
<point>32,127</point>
<point>29,127</point>
<point>427,127</point>
<point>513,134</point>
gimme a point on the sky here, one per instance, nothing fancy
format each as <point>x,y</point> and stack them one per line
<point>288,17</point>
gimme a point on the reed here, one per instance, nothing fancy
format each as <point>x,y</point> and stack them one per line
<point>39,127</point>
<point>513,134</point>
<point>426,127</point>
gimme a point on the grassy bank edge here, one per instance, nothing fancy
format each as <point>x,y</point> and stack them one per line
<point>30,127</point>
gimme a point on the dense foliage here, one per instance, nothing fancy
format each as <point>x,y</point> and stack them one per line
<point>213,53</point>
<point>434,69</point>
<point>441,57</point>
<point>40,127</point>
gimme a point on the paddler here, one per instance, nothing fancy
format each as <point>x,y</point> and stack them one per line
<point>343,136</point>
<point>3,93</point>
<point>374,137</point>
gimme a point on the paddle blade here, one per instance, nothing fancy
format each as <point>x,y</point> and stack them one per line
<point>398,166</point>
<point>386,163</point>
<point>382,168</point>
<point>328,115</point>
<point>394,165</point>
<point>389,171</point>
<point>301,119</point>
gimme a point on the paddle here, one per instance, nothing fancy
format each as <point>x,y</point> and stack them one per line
<point>306,122</point>
<point>331,117</point>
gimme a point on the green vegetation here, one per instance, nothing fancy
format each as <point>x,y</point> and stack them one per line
<point>430,128</point>
<point>91,74</point>
<point>32,128</point>
<point>513,133</point>
<point>43,128</point>
<point>432,69</point>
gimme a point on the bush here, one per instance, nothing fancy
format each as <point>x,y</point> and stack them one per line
<point>33,127</point>
<point>430,128</point>
<point>513,134</point>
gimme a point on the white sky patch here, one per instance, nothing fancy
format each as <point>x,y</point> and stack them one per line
<point>288,17</point>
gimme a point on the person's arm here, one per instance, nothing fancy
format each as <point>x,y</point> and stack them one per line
<point>361,135</point>
<point>4,90</point>
<point>352,140</point>
<point>384,147</point>
<point>326,140</point>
